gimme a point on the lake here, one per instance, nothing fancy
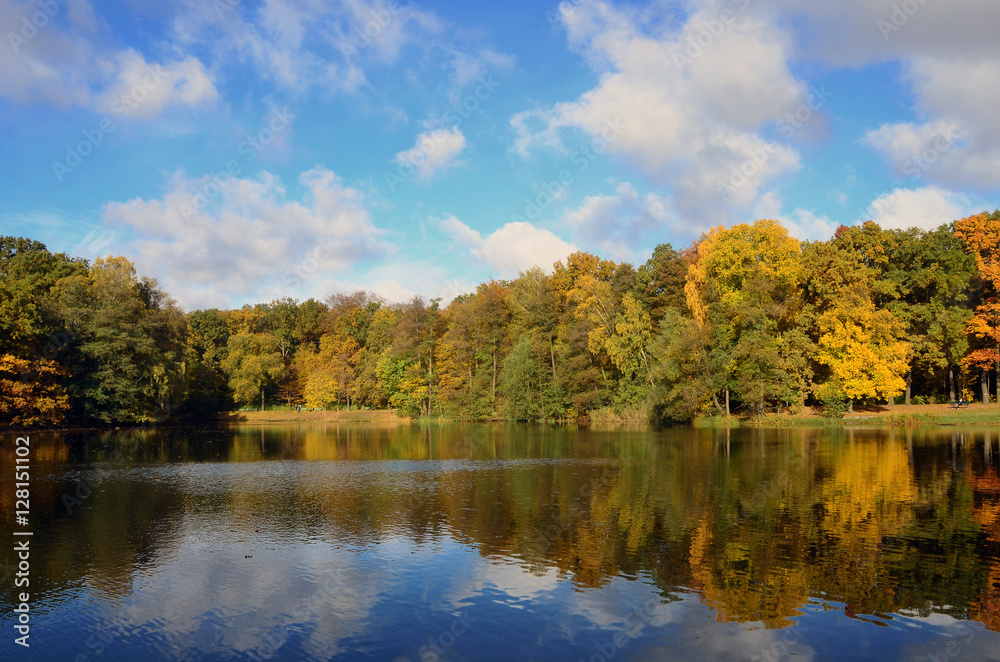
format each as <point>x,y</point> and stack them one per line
<point>505,542</point>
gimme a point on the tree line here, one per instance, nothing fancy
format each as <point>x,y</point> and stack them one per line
<point>747,320</point>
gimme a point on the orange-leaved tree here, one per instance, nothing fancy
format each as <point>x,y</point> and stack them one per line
<point>981,234</point>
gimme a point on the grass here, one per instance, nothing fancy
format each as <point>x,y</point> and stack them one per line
<point>610,416</point>
<point>897,416</point>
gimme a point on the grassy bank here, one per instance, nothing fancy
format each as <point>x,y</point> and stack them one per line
<point>895,416</point>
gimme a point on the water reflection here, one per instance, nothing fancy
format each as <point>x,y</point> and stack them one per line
<point>325,542</point>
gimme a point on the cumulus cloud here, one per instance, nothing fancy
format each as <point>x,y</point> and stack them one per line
<point>617,225</point>
<point>434,151</point>
<point>212,242</point>
<point>806,225</point>
<point>692,111</point>
<point>925,208</point>
<point>57,56</point>
<point>512,248</point>
<point>950,60</point>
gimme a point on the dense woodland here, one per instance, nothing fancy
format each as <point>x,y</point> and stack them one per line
<point>747,320</point>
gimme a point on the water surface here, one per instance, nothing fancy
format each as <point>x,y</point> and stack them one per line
<point>456,542</point>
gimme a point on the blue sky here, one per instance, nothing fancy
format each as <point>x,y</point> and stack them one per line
<point>240,150</point>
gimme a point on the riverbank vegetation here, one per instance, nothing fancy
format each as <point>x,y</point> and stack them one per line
<point>746,321</point>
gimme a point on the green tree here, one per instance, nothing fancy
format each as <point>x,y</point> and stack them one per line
<point>744,288</point>
<point>126,360</point>
<point>254,364</point>
<point>207,340</point>
<point>28,272</point>
<point>660,282</point>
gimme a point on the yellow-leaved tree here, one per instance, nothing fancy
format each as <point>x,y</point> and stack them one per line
<point>863,348</point>
<point>743,290</point>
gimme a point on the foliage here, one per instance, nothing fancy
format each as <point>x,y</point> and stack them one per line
<point>982,237</point>
<point>31,392</point>
<point>253,363</point>
<point>746,321</point>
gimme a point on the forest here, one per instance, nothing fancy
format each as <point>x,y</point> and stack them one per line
<point>747,320</point>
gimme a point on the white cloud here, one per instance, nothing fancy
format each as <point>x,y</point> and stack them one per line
<point>303,44</point>
<point>616,225</point>
<point>939,151</point>
<point>925,208</point>
<point>512,248</point>
<point>434,151</point>
<point>806,225</point>
<point>691,117</point>
<point>146,90</point>
<point>64,62</point>
<point>399,281</point>
<point>949,57</point>
<point>211,245</point>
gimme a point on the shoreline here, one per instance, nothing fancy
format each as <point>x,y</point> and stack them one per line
<point>975,414</point>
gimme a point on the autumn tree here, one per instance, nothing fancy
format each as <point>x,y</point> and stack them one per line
<point>409,367</point>
<point>253,364</point>
<point>981,235</point>
<point>743,290</point>
<point>31,392</point>
<point>932,278</point>
<point>861,348</point>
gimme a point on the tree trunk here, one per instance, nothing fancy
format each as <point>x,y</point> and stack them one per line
<point>850,406</point>
<point>727,402</point>
<point>262,398</point>
<point>494,396</point>
<point>552,355</point>
<point>984,385</point>
<point>348,401</point>
<point>715,398</point>
<point>951,383</point>
<point>909,385</point>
